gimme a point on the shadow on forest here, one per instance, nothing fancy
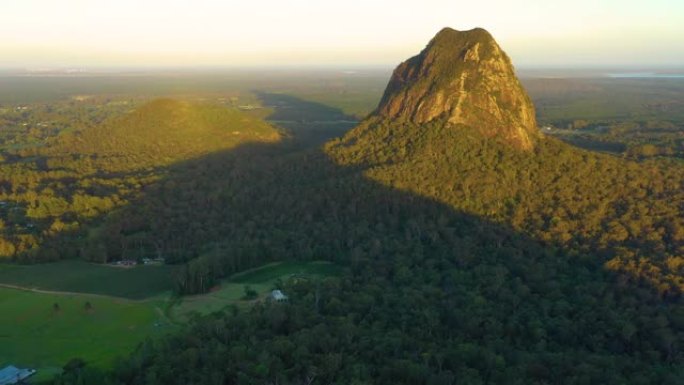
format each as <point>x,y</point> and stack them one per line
<point>259,203</point>
<point>309,122</point>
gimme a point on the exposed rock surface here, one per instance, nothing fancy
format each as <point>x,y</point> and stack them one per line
<point>462,77</point>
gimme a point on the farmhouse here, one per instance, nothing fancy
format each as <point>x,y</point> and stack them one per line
<point>278,296</point>
<point>13,375</point>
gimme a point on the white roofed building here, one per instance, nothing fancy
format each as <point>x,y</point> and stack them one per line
<point>13,375</point>
<point>278,296</point>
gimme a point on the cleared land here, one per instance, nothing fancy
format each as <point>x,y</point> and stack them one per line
<point>82,277</point>
<point>44,331</point>
<point>262,280</point>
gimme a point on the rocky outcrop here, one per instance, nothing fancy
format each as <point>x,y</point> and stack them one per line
<point>462,78</point>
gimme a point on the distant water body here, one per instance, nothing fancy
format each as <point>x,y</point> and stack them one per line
<point>645,75</point>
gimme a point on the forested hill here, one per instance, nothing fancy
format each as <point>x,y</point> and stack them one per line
<point>625,214</point>
<point>470,258</point>
<point>51,193</point>
<point>160,133</point>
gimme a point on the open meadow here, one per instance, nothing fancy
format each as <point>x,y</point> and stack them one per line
<point>44,331</point>
<point>232,292</point>
<point>83,277</point>
<point>91,314</point>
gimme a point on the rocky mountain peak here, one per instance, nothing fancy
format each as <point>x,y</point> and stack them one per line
<point>462,78</point>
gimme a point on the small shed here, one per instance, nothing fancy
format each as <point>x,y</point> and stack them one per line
<point>278,296</point>
<point>12,375</point>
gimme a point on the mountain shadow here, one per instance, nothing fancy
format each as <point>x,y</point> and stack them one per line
<point>432,294</point>
<point>456,125</point>
<point>312,123</point>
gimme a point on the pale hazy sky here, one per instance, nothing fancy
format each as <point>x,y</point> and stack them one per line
<point>347,32</point>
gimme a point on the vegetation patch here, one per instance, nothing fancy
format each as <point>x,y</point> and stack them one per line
<point>82,277</point>
<point>44,331</point>
<point>243,289</point>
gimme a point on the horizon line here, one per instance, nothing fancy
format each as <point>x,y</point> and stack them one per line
<point>75,69</point>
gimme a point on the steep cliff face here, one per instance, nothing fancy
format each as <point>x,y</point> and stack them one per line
<point>462,77</point>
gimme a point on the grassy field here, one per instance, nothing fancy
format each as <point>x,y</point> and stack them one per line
<point>34,334</point>
<point>82,277</point>
<point>262,280</point>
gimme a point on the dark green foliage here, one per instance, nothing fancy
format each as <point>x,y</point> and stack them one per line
<point>434,292</point>
<point>623,213</point>
<point>74,364</point>
<point>504,320</point>
<point>49,192</point>
<point>249,293</point>
<point>83,277</point>
<point>464,262</point>
<point>77,371</point>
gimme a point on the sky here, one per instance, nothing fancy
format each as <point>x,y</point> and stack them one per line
<point>228,33</point>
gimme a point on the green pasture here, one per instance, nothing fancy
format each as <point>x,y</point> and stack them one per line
<point>82,277</point>
<point>232,290</point>
<point>44,331</point>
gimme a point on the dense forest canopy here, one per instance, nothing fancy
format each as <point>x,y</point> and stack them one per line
<point>435,293</point>
<point>598,206</point>
<point>465,260</point>
<point>51,190</point>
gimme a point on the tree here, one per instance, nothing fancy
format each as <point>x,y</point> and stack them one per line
<point>250,293</point>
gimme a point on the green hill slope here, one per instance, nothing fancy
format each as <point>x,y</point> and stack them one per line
<point>50,192</point>
<point>626,214</point>
<point>162,132</point>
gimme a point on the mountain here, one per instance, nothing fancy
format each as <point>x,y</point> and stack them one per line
<point>462,78</point>
<point>471,253</point>
<point>455,126</point>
